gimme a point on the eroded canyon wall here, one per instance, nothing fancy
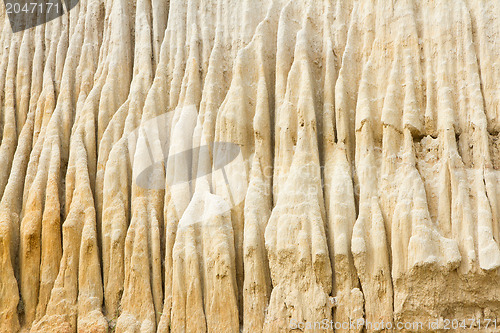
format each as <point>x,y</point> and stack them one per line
<point>227,166</point>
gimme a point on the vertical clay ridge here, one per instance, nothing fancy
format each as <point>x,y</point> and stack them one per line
<point>245,166</point>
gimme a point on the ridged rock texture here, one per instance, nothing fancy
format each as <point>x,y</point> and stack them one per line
<point>366,183</point>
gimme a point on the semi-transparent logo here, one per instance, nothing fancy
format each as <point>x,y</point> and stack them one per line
<point>164,152</point>
<point>25,14</point>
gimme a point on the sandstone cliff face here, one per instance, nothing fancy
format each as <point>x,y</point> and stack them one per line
<point>227,166</point>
